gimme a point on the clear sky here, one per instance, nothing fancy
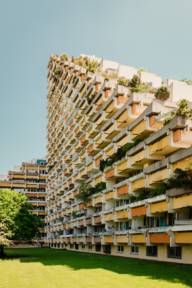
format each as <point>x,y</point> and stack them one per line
<point>151,34</point>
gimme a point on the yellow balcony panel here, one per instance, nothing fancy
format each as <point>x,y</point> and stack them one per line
<point>183,237</point>
<point>97,219</point>
<point>122,141</point>
<point>109,195</point>
<point>108,238</point>
<point>22,176</point>
<point>90,167</point>
<point>122,214</point>
<point>124,166</point>
<point>112,131</point>
<point>159,207</point>
<point>183,201</point>
<point>110,151</point>
<point>138,238</point>
<point>98,199</point>
<point>98,179</point>
<point>111,109</point>
<point>137,184</point>
<point>108,217</point>
<point>162,146</point>
<point>124,119</point>
<point>182,164</point>
<point>140,158</point>
<point>139,128</point>
<point>122,239</point>
<point>158,176</point>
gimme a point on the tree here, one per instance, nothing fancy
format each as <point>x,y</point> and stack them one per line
<point>16,219</point>
<point>27,224</point>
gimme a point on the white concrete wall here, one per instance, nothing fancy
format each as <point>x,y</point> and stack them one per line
<point>179,90</point>
<point>150,78</point>
<point>126,71</point>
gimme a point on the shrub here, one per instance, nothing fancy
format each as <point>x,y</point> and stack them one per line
<point>135,81</point>
<point>123,81</point>
<point>162,93</point>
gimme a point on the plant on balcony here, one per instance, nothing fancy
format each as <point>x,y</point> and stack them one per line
<point>86,190</point>
<point>187,81</point>
<point>64,57</point>
<point>57,73</point>
<point>162,93</point>
<point>121,152</point>
<point>136,85</point>
<point>134,82</point>
<point>183,110</point>
<point>85,62</point>
<point>123,81</point>
<point>180,179</point>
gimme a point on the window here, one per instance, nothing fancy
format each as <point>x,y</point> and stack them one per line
<point>151,251</point>
<point>98,247</point>
<point>135,249</point>
<point>174,252</point>
<point>120,248</point>
<point>90,246</point>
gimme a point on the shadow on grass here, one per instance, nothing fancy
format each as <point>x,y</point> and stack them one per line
<point>175,273</point>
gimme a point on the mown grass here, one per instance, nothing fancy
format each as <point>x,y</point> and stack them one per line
<point>49,268</point>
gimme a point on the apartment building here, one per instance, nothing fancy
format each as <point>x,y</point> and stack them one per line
<point>116,153</point>
<point>30,178</point>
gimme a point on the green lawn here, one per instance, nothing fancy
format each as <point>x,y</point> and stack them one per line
<point>48,268</point>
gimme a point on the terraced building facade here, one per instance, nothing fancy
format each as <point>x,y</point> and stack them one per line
<point>119,160</point>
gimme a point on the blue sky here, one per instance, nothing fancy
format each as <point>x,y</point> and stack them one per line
<point>153,34</point>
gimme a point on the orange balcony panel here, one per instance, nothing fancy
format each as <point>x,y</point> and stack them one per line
<point>110,173</point>
<point>183,237</point>
<point>183,201</point>
<point>154,123</point>
<point>123,190</point>
<point>81,206</point>
<point>122,239</point>
<point>135,109</point>
<point>177,135</point>
<point>97,161</point>
<point>109,195</point>
<point>122,214</point>
<point>138,238</point>
<point>108,239</point>
<point>4,184</point>
<point>159,207</point>
<point>138,211</point>
<point>159,238</point>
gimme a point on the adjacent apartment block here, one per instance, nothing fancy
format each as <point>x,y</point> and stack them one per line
<point>119,160</point>
<point>30,178</point>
